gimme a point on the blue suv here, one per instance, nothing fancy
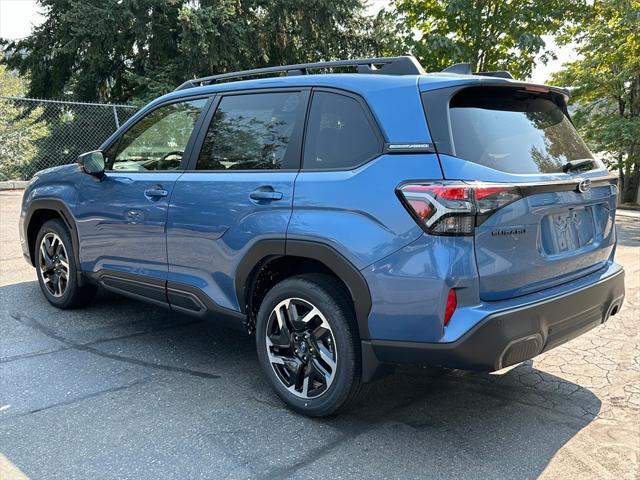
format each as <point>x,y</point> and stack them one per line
<point>365,216</point>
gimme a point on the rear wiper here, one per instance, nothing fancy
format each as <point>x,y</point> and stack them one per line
<point>578,165</point>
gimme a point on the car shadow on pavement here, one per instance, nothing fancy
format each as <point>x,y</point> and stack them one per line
<point>419,422</point>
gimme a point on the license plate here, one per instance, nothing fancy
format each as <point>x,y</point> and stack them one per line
<point>567,231</point>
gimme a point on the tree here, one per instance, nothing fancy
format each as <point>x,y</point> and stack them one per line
<point>489,34</point>
<point>20,128</point>
<point>605,85</point>
<point>119,50</point>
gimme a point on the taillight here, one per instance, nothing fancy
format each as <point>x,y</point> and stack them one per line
<point>455,208</point>
<point>452,303</point>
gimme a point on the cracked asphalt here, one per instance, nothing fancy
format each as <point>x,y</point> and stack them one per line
<point>126,390</point>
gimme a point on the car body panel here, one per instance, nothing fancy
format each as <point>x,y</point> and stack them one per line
<point>409,287</point>
<point>408,291</point>
<point>544,239</point>
<point>213,223</point>
<point>120,228</point>
<point>357,212</point>
<point>559,236</point>
<point>502,334</point>
<point>58,184</point>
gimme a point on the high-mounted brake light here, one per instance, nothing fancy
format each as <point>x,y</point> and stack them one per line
<point>537,88</point>
<point>455,208</point>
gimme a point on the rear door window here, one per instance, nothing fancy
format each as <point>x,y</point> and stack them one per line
<point>259,131</point>
<point>514,131</point>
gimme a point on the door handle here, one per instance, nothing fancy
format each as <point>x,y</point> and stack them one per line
<point>156,192</point>
<point>265,195</point>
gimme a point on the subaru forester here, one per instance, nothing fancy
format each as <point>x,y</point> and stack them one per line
<point>357,218</point>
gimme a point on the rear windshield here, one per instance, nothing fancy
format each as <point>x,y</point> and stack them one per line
<point>514,131</point>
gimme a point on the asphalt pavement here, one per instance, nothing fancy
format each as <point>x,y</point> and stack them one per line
<point>124,390</point>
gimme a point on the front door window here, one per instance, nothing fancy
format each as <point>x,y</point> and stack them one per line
<point>157,141</point>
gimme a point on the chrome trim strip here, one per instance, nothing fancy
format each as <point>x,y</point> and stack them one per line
<point>422,147</point>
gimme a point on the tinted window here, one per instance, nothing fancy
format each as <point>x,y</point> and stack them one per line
<point>514,131</point>
<point>157,142</point>
<point>254,131</point>
<point>339,133</point>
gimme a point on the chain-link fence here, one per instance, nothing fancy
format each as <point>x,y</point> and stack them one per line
<point>37,134</point>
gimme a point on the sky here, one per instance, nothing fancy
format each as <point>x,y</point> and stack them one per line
<point>17,17</point>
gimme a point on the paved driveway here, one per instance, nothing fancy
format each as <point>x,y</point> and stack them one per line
<point>126,390</point>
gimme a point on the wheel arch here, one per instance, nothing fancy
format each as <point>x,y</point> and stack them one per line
<point>303,253</point>
<point>42,210</point>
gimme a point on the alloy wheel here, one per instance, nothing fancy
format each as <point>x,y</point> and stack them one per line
<point>301,348</point>
<point>54,264</point>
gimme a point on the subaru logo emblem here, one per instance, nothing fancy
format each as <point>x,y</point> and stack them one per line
<point>584,185</point>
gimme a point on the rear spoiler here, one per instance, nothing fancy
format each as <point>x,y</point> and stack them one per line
<point>464,68</point>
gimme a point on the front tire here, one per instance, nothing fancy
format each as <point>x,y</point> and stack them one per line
<point>308,345</point>
<point>56,267</point>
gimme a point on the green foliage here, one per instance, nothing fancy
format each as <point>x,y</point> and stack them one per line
<point>605,83</point>
<point>20,129</point>
<point>490,34</point>
<point>119,50</point>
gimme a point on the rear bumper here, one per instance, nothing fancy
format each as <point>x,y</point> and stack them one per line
<point>514,335</point>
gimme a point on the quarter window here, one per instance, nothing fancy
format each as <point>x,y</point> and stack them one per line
<point>158,141</point>
<point>339,133</point>
<point>254,131</point>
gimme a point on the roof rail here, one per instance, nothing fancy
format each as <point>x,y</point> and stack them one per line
<point>404,65</point>
<point>465,69</point>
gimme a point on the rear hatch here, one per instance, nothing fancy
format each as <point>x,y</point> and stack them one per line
<point>556,220</point>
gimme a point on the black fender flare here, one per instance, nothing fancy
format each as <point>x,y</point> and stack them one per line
<point>61,209</point>
<point>266,249</point>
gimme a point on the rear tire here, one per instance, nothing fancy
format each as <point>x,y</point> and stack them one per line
<point>308,345</point>
<point>56,267</point>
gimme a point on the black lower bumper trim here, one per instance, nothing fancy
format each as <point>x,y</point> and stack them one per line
<point>512,336</point>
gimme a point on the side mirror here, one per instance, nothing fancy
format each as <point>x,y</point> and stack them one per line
<point>92,163</point>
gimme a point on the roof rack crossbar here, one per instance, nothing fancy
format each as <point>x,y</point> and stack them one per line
<point>404,65</point>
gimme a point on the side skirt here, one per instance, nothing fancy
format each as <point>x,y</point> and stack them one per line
<point>174,296</point>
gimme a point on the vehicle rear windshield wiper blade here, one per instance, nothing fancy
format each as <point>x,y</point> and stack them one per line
<point>578,165</point>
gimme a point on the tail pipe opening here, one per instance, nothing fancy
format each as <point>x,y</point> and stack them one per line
<point>614,308</point>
